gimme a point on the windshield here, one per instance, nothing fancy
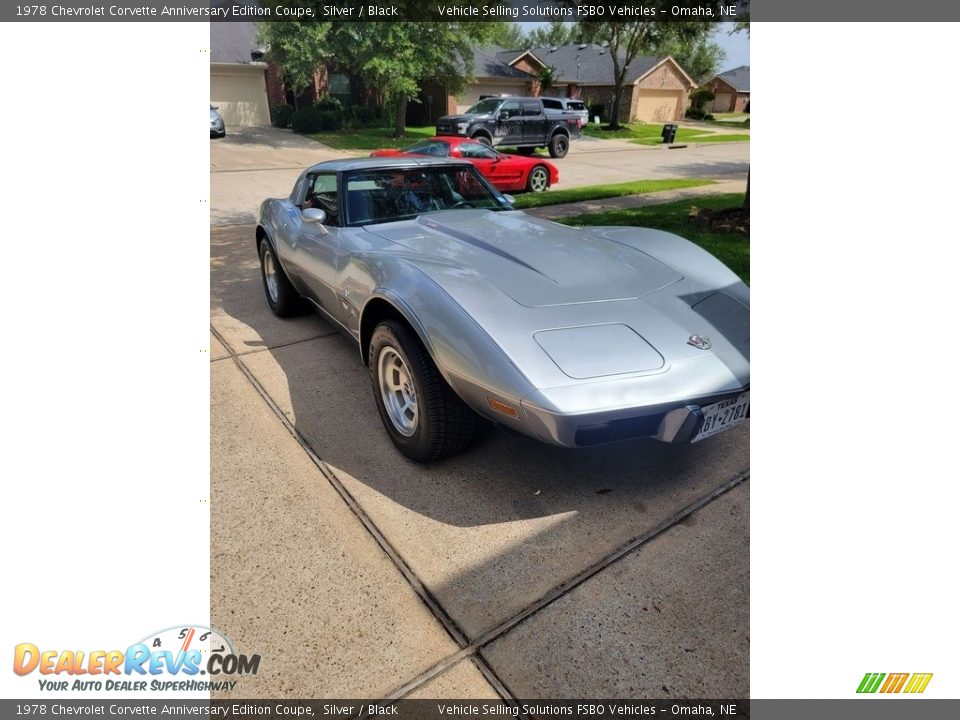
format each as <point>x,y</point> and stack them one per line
<point>429,147</point>
<point>485,107</point>
<point>390,194</point>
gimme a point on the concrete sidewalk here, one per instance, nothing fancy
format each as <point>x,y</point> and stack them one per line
<point>552,212</point>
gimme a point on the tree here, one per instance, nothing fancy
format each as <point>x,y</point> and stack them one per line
<point>297,47</point>
<point>508,35</point>
<point>701,58</point>
<point>554,33</point>
<point>393,57</point>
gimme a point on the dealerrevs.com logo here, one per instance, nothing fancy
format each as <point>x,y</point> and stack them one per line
<point>173,659</point>
<point>911,683</point>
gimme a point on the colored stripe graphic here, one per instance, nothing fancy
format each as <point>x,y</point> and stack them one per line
<point>918,682</point>
<point>915,683</point>
<point>894,682</point>
<point>870,682</point>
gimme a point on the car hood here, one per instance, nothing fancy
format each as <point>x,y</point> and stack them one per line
<point>535,262</point>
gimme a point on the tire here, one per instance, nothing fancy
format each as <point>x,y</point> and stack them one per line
<point>430,422</point>
<point>483,140</point>
<point>538,180</point>
<point>559,144</point>
<point>525,150</point>
<point>282,297</point>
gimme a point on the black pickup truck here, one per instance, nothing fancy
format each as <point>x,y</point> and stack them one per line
<point>520,122</point>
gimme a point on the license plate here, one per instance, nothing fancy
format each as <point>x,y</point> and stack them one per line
<point>723,415</point>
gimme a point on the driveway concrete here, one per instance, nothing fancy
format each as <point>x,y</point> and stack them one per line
<point>294,577</point>
<point>252,164</point>
<point>486,535</point>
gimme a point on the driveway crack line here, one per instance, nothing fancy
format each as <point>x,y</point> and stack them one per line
<point>470,649</point>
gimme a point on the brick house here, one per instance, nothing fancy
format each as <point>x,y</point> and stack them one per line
<point>245,86</point>
<point>731,90</point>
<point>656,89</point>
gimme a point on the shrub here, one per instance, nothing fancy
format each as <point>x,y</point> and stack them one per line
<point>306,120</point>
<point>282,114</point>
<point>365,115</point>
<point>330,120</point>
<point>326,102</point>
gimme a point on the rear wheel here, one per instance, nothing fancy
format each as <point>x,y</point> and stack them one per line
<point>559,144</point>
<point>422,415</point>
<point>282,297</point>
<point>538,180</point>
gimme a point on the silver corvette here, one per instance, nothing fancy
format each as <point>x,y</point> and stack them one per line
<point>462,306</point>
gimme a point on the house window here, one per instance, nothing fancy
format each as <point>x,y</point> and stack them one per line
<point>339,84</point>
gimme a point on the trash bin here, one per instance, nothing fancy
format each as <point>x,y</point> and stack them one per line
<point>669,133</point>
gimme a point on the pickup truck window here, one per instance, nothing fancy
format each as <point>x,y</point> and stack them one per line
<point>531,108</point>
<point>511,108</point>
<point>485,107</point>
<point>552,104</point>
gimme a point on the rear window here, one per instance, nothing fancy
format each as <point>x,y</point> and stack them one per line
<point>576,106</point>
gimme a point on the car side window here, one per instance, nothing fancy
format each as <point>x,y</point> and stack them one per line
<point>476,151</point>
<point>553,104</point>
<point>511,108</point>
<point>531,108</point>
<point>322,194</point>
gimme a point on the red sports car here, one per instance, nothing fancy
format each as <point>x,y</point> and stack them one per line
<point>509,173</point>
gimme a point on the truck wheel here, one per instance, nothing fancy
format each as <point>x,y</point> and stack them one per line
<point>559,144</point>
<point>483,140</point>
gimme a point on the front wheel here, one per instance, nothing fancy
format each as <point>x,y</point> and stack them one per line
<point>539,179</point>
<point>282,297</point>
<point>422,415</point>
<point>559,144</point>
<point>483,140</point>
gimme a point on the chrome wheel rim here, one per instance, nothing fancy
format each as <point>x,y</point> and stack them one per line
<point>538,180</point>
<point>270,276</point>
<point>561,146</point>
<point>398,392</point>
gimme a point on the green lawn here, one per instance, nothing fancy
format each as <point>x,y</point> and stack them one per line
<point>649,134</point>
<point>730,248</point>
<point>730,117</point>
<point>642,134</point>
<point>598,192</point>
<point>373,138</point>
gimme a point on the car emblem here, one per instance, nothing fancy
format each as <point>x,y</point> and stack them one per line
<point>701,342</point>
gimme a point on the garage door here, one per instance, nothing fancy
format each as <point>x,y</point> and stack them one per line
<point>240,91</point>
<point>658,105</point>
<point>471,96</point>
<point>721,103</point>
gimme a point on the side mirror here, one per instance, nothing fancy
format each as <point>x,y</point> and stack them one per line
<point>510,199</point>
<point>314,215</point>
<point>214,107</point>
<point>504,115</point>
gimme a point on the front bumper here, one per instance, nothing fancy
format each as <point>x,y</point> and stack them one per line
<point>672,422</point>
